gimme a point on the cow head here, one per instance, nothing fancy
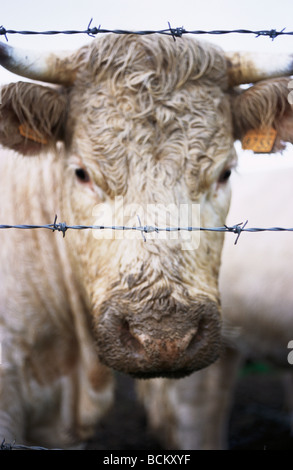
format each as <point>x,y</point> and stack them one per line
<point>145,121</point>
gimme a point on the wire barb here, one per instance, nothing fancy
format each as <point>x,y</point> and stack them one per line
<point>62,227</point>
<point>238,229</point>
<point>92,31</point>
<point>3,32</point>
<point>142,234</point>
<point>6,446</point>
<point>177,32</point>
<point>273,33</point>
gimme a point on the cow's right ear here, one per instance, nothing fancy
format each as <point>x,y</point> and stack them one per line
<point>32,117</point>
<point>263,115</point>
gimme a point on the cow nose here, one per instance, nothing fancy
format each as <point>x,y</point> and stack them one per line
<point>173,347</point>
<point>166,349</point>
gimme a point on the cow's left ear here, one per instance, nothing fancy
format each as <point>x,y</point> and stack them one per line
<point>263,116</point>
<point>32,117</point>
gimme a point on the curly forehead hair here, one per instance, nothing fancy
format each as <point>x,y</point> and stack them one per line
<point>167,64</point>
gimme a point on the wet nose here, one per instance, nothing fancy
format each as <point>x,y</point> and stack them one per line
<point>155,348</point>
<point>160,349</point>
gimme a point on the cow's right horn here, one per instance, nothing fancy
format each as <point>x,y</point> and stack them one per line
<point>251,67</point>
<point>46,67</point>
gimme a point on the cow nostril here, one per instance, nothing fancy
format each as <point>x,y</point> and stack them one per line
<point>198,338</point>
<point>128,340</point>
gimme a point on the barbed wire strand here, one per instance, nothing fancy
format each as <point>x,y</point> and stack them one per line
<point>63,227</point>
<point>174,32</point>
<point>13,446</point>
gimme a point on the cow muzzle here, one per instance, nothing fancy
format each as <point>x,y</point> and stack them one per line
<point>150,344</point>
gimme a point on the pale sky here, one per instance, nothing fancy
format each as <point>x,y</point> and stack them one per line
<point>148,14</point>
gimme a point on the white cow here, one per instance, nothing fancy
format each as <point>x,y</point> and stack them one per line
<point>126,120</point>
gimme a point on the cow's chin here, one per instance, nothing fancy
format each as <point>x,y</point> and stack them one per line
<point>183,342</point>
<point>179,374</point>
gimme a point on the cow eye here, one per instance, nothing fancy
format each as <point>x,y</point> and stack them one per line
<point>225,175</point>
<point>82,175</point>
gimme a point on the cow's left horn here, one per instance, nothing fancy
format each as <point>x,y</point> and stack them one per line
<point>46,67</point>
<point>251,67</point>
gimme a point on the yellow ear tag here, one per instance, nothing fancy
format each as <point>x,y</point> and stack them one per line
<point>31,134</point>
<point>259,140</point>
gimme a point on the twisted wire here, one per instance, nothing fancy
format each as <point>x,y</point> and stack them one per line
<point>174,32</point>
<point>237,229</point>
